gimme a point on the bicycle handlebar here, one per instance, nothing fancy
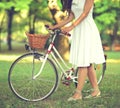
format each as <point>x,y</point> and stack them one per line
<point>59,31</point>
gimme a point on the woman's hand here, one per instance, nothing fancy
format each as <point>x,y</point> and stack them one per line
<point>67,29</point>
<point>51,27</point>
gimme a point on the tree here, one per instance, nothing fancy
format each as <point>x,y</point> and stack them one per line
<point>106,14</point>
<point>11,7</point>
<point>37,12</point>
<point>107,17</point>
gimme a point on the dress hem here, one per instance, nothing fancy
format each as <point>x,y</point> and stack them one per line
<point>87,65</point>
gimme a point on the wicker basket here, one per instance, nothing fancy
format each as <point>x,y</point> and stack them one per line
<point>37,41</point>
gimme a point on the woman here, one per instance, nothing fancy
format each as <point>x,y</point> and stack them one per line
<point>86,47</point>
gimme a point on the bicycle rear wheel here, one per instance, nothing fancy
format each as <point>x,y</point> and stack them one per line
<point>21,77</point>
<point>100,71</point>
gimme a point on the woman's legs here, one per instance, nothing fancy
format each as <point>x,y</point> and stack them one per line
<point>93,80</point>
<point>82,74</point>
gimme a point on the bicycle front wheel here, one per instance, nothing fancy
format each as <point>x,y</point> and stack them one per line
<point>21,77</point>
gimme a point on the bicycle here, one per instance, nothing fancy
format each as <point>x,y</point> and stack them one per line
<point>34,75</point>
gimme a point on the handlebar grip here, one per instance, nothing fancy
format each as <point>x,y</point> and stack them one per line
<point>47,26</point>
<point>68,34</point>
<point>65,33</point>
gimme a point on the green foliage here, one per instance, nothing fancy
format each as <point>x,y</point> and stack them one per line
<point>18,4</point>
<point>21,17</point>
<point>107,14</point>
<point>59,3</point>
<point>40,9</point>
<point>22,4</point>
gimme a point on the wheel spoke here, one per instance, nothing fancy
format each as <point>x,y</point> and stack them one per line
<point>21,76</point>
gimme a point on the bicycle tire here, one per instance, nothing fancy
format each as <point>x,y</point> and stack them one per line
<point>21,82</point>
<point>100,72</point>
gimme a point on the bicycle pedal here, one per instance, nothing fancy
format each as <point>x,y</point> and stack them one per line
<point>66,83</point>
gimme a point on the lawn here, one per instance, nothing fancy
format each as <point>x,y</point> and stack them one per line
<point>110,88</point>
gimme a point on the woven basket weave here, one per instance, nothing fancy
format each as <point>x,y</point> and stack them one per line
<point>37,41</point>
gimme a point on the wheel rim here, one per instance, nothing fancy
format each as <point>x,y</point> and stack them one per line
<point>22,83</point>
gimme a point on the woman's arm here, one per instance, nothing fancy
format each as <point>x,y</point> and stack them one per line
<point>64,22</point>
<point>87,7</point>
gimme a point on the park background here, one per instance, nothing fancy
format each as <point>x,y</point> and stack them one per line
<point>20,16</point>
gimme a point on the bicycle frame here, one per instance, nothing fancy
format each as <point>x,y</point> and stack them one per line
<point>50,51</point>
<point>20,80</point>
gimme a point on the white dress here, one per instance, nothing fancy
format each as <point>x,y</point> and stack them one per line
<point>86,46</point>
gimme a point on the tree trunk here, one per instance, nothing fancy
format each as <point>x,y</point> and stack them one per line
<point>114,36</point>
<point>32,19</point>
<point>10,14</point>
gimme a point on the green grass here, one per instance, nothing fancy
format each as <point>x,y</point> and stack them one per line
<point>113,55</point>
<point>110,88</point>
